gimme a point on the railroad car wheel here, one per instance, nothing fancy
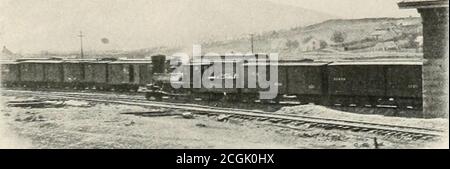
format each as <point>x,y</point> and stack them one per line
<point>158,97</point>
<point>265,101</point>
<point>418,104</point>
<point>230,97</point>
<point>302,99</point>
<point>215,97</point>
<point>148,96</point>
<point>135,89</point>
<point>249,98</point>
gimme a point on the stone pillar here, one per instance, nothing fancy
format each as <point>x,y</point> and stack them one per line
<point>435,70</point>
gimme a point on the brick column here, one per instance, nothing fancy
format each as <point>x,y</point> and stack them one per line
<point>435,70</point>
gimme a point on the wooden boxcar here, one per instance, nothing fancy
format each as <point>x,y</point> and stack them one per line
<point>96,74</point>
<point>356,82</point>
<point>42,73</point>
<point>10,74</point>
<point>396,83</point>
<point>225,80</point>
<point>306,80</point>
<point>250,78</point>
<point>74,72</point>
<point>404,83</point>
<point>129,74</point>
<point>251,74</point>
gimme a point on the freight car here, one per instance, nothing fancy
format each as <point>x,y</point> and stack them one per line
<point>346,83</point>
<point>74,73</point>
<point>10,75</point>
<point>130,74</point>
<point>41,73</point>
<point>392,83</point>
<point>371,83</point>
<point>124,75</point>
<point>304,80</point>
<point>96,74</point>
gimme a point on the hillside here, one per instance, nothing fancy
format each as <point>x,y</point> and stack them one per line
<point>381,37</point>
<point>363,38</point>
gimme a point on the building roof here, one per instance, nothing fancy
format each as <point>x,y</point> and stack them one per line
<point>131,62</point>
<point>289,64</point>
<point>79,60</point>
<point>198,63</point>
<point>365,63</point>
<point>41,61</point>
<point>31,59</point>
<point>406,4</point>
<point>5,62</point>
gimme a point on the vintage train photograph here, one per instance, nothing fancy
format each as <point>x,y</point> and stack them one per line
<point>224,74</point>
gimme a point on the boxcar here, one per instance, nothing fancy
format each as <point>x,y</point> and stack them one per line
<point>129,74</point>
<point>250,78</point>
<point>10,75</point>
<point>404,83</point>
<point>96,74</point>
<point>74,72</point>
<point>252,72</point>
<point>53,73</point>
<point>306,80</point>
<point>41,73</point>
<point>356,82</point>
<point>396,83</point>
<point>226,79</point>
<point>32,73</point>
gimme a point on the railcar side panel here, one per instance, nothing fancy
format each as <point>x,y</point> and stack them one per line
<point>404,81</point>
<point>96,73</point>
<point>31,72</point>
<point>305,80</point>
<point>53,72</point>
<point>73,72</point>
<point>9,73</point>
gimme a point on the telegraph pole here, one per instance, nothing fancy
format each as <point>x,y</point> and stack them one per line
<point>81,44</point>
<point>251,41</point>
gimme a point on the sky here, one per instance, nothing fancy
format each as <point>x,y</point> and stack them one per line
<point>354,8</point>
<point>37,25</point>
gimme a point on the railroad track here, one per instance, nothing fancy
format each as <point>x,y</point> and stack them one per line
<point>284,119</point>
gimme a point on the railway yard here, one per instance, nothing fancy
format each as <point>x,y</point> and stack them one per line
<point>83,119</point>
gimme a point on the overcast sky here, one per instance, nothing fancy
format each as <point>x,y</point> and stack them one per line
<point>354,8</point>
<point>35,25</point>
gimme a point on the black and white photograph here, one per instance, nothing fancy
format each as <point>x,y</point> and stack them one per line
<point>224,74</point>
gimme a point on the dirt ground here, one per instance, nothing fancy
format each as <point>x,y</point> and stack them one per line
<point>106,126</point>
